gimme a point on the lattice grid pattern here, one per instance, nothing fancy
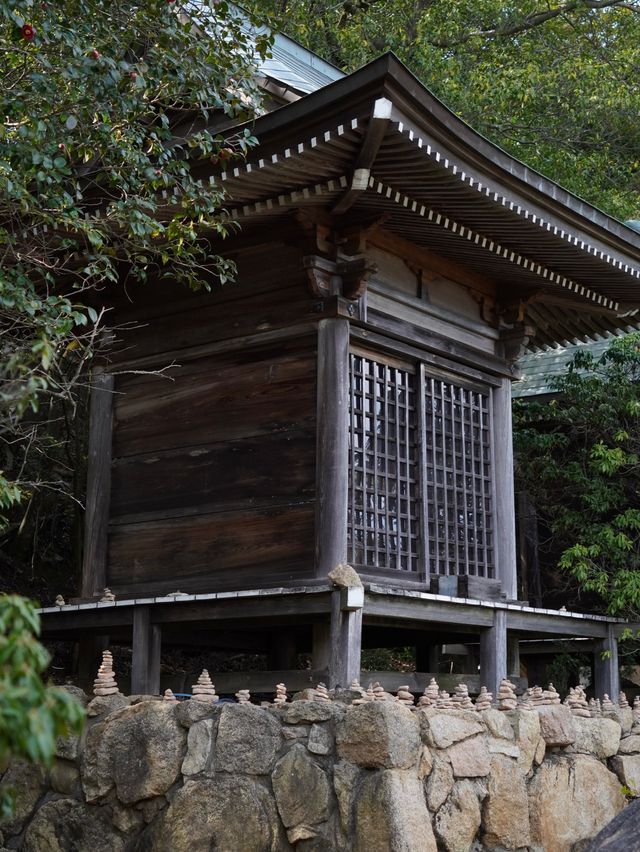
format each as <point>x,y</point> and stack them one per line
<point>458,480</point>
<point>383,510</point>
<point>397,418</point>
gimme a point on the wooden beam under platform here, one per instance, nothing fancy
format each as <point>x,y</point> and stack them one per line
<point>337,655</point>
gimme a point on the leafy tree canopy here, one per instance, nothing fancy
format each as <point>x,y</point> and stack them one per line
<point>32,716</point>
<point>106,108</point>
<point>578,457</point>
<point>556,84</point>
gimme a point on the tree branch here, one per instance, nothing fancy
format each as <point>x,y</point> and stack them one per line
<point>533,20</point>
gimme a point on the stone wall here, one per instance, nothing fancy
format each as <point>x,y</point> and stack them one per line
<point>320,775</point>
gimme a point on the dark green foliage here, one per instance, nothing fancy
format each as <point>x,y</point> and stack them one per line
<point>32,715</point>
<point>578,459</point>
<point>554,84</point>
<point>109,112</point>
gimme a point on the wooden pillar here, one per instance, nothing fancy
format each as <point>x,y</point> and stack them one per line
<point>345,641</point>
<point>605,666</point>
<point>332,454</point>
<point>96,518</point>
<point>493,652</point>
<point>504,499</point>
<point>513,656</point>
<point>282,651</point>
<point>321,647</point>
<point>145,658</point>
<point>427,658</point>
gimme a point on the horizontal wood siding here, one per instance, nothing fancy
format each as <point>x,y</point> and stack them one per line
<point>238,474</point>
<point>163,317</point>
<point>219,321</point>
<point>217,399</point>
<point>213,473</point>
<point>225,550</point>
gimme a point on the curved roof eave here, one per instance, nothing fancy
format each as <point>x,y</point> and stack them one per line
<point>388,76</point>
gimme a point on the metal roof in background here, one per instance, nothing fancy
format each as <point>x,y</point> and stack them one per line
<point>294,67</point>
<point>289,64</point>
<point>540,369</point>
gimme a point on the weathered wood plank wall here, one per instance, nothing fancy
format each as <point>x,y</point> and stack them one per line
<point>213,473</point>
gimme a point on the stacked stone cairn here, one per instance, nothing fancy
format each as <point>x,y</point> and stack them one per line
<point>355,687</point>
<point>169,696</point>
<point>444,701</point>
<point>321,693</point>
<point>281,695</point>
<point>365,698</point>
<point>430,694</point>
<point>525,703</point>
<point>551,695</point>
<point>577,702</point>
<point>379,693</point>
<point>204,690</point>
<point>507,695</point>
<point>243,696</point>
<point>404,696</point>
<point>107,596</point>
<point>484,699</point>
<point>461,697</point>
<point>536,694</point>
<point>623,704</point>
<point>576,699</point>
<point>105,682</point>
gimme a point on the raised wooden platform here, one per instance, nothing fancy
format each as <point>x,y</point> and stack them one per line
<point>337,628</point>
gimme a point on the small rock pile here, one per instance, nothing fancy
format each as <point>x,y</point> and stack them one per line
<point>484,699</point>
<point>243,696</point>
<point>204,690</point>
<point>461,698</point>
<point>430,694</point>
<point>105,682</point>
<point>365,698</point>
<point>507,695</point>
<point>321,693</point>
<point>404,696</point>
<point>281,695</point>
<point>577,702</point>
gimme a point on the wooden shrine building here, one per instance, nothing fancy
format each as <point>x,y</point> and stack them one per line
<point>347,400</point>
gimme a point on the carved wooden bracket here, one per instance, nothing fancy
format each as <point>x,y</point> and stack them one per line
<point>321,274</point>
<point>347,277</point>
<point>515,339</point>
<point>317,234</point>
<point>355,272</point>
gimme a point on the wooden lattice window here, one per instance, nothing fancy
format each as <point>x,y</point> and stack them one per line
<point>420,478</point>
<point>458,479</point>
<point>383,512</point>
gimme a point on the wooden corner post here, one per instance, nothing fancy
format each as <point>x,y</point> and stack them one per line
<point>346,639</point>
<point>342,638</point>
<point>332,453</point>
<point>145,653</point>
<point>505,519</point>
<point>605,666</point>
<point>96,518</point>
<point>493,652</point>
